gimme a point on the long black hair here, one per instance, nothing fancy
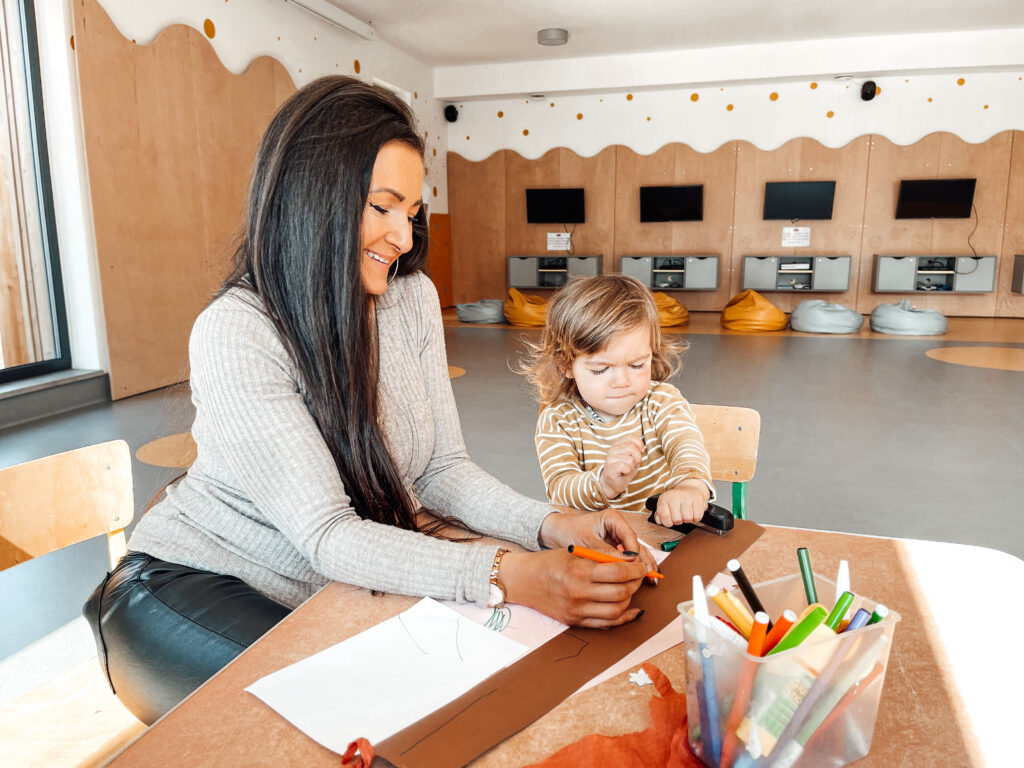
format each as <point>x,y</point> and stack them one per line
<point>300,253</point>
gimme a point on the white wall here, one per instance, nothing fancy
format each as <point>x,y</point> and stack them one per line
<point>304,44</point>
<point>970,84</point>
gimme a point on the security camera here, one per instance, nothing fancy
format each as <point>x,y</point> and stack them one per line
<point>451,112</point>
<point>868,90</point>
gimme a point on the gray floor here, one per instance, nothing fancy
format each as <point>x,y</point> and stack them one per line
<point>858,435</point>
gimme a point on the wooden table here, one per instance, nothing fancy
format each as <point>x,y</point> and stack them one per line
<point>923,720</point>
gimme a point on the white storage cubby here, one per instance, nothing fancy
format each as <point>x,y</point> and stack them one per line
<point>796,273</point>
<point>550,271</point>
<point>910,273</point>
<point>694,272</point>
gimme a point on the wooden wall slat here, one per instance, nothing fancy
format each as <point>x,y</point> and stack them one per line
<point>170,137</point>
<point>476,204</point>
<point>1008,302</point>
<point>439,257</point>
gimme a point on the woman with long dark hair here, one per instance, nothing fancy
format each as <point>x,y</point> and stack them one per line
<point>324,417</point>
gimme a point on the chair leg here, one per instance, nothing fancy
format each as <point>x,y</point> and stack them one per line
<point>739,500</point>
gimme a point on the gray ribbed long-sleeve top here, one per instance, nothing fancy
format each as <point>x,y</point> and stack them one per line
<point>264,501</point>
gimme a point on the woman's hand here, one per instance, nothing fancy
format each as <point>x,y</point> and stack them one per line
<point>683,504</point>
<point>572,589</point>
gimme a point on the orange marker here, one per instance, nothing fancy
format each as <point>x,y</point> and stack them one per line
<point>758,635</point>
<point>733,608</point>
<point>745,687</point>
<point>781,627</point>
<point>601,557</point>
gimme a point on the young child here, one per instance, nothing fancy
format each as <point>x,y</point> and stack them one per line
<point>611,431</point>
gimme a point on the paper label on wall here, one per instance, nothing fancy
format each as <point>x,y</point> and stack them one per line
<point>558,241</point>
<point>796,237</point>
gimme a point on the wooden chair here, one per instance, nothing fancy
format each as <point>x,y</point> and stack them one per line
<point>731,435</point>
<point>45,505</point>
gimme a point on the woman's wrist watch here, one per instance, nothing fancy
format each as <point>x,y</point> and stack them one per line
<point>497,595</point>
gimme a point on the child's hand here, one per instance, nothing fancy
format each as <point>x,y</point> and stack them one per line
<point>620,465</point>
<point>683,504</point>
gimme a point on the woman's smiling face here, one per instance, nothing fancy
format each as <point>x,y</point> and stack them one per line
<point>393,202</point>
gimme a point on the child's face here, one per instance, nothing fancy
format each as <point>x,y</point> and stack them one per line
<point>617,377</point>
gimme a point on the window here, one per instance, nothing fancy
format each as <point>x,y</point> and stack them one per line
<point>33,324</point>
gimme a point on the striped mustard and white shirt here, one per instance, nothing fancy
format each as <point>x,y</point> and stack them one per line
<point>572,446</point>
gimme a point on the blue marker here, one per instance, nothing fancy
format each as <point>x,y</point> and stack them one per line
<point>860,619</point>
<point>710,731</point>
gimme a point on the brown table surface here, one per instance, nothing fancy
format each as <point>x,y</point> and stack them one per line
<point>920,721</point>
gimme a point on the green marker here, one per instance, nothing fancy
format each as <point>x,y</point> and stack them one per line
<point>668,546</point>
<point>878,614</point>
<point>801,630</point>
<point>839,610</point>
<point>808,576</point>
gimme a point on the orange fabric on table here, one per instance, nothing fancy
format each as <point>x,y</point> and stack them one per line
<point>663,745</point>
<point>361,760</point>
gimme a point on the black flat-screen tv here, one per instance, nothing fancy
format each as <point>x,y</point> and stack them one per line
<point>679,203</point>
<point>555,206</point>
<point>935,199</point>
<point>792,200</point>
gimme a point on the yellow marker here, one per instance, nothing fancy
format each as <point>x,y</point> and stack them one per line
<point>733,608</point>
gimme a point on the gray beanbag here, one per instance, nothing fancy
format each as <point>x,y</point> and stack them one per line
<point>904,319</point>
<point>817,316</point>
<point>483,311</point>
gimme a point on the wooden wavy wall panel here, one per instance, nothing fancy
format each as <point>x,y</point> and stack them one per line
<point>487,206</point>
<point>170,137</point>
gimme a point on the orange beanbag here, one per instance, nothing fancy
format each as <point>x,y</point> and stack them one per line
<point>525,311</point>
<point>670,311</point>
<point>750,311</point>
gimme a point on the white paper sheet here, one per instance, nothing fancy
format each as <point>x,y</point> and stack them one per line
<point>387,677</point>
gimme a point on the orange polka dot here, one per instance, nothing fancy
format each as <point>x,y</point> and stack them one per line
<point>694,96</point>
<point>579,115</point>
<point>813,86</point>
<point>434,151</point>
<point>774,96</point>
<point>551,104</point>
<point>629,97</point>
<point>435,191</point>
<point>830,113</point>
<point>929,99</point>
<point>500,113</point>
<point>356,66</point>
<point>728,107</point>
<point>961,81</point>
<point>209,29</point>
<point>648,118</point>
<point>526,131</point>
<point>415,94</point>
<point>986,106</point>
<point>467,138</point>
<point>878,89</point>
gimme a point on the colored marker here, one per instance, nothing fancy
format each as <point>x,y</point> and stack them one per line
<point>839,610</point>
<point>878,614</point>
<point>801,630</point>
<point>746,587</point>
<point>601,557</point>
<point>732,608</point>
<point>860,619</point>
<point>786,620</point>
<point>808,576</point>
<point>668,546</point>
<point>848,697</point>
<point>744,687</point>
<point>710,731</point>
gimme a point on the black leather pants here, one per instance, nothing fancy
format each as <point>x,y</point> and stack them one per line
<point>163,629</point>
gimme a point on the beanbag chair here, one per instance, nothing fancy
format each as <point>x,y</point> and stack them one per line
<point>905,320</point>
<point>817,316</point>
<point>483,311</point>
<point>750,311</point>
<point>670,311</point>
<point>525,311</point>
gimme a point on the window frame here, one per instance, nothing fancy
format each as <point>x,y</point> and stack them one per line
<point>44,203</point>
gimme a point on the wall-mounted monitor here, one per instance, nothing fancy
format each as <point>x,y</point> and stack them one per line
<point>935,199</point>
<point>555,206</point>
<point>680,203</point>
<point>791,200</point>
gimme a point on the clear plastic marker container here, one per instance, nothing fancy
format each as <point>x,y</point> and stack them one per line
<point>813,705</point>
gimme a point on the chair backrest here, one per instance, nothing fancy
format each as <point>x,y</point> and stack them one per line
<point>60,500</point>
<point>731,435</point>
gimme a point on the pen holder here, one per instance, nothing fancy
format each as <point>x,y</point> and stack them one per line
<point>812,705</point>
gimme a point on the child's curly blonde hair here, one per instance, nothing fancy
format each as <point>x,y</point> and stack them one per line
<point>581,320</point>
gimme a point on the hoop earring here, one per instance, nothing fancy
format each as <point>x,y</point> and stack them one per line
<point>392,272</point>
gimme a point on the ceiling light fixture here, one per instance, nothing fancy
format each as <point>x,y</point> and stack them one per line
<point>553,36</point>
